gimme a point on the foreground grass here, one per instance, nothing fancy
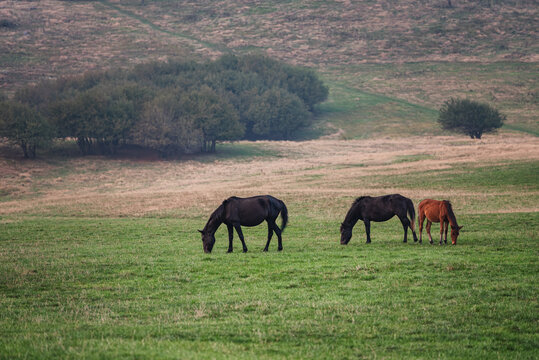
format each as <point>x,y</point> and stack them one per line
<point>112,288</point>
<point>100,258</point>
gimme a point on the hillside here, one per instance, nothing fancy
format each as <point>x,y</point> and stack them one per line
<point>414,53</point>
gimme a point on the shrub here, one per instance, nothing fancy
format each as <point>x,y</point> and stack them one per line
<point>25,127</point>
<point>173,106</point>
<point>470,117</point>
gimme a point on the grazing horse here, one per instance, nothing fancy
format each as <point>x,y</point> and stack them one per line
<point>251,211</point>
<point>381,208</point>
<point>438,211</point>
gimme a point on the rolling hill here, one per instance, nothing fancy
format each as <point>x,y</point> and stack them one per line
<point>390,65</point>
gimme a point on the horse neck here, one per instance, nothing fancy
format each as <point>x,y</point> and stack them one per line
<point>215,220</point>
<point>352,216</point>
<point>451,214</point>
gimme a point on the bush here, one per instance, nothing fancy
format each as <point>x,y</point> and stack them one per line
<point>173,106</point>
<point>470,117</point>
<point>101,118</point>
<point>7,24</point>
<point>164,127</point>
<point>25,127</point>
<point>276,114</point>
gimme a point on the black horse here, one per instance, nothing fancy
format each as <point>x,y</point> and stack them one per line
<point>235,212</point>
<point>381,208</point>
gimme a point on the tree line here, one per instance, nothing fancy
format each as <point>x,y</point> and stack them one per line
<point>172,107</point>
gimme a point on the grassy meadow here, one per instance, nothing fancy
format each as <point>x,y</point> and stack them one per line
<point>101,258</point>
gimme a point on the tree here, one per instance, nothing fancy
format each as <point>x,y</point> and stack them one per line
<point>166,128</point>
<point>215,117</point>
<point>306,85</point>
<point>24,126</point>
<point>250,96</point>
<point>276,114</point>
<point>470,117</point>
<point>100,118</point>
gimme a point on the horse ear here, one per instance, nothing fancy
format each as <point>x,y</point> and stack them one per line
<point>201,231</point>
<point>460,227</point>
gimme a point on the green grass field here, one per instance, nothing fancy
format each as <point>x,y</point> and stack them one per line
<point>110,288</point>
<point>141,287</point>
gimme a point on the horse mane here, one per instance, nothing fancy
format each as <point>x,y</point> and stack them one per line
<point>357,200</point>
<point>216,216</point>
<point>230,198</point>
<point>349,218</point>
<point>450,212</point>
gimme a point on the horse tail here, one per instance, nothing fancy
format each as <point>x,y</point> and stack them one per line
<point>411,212</point>
<point>284,215</point>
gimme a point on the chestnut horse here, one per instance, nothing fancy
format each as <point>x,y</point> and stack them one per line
<point>381,208</point>
<point>438,211</point>
<point>235,212</point>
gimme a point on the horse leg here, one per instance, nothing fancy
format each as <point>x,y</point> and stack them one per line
<point>270,234</point>
<point>446,228</point>
<point>230,237</point>
<point>279,238</point>
<point>421,219</point>
<point>368,230</point>
<point>405,224</point>
<point>411,224</point>
<point>240,234</point>
<point>429,223</point>
<point>442,224</point>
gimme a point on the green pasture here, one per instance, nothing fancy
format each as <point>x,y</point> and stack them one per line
<point>363,114</point>
<point>371,99</point>
<point>143,288</point>
<point>109,288</point>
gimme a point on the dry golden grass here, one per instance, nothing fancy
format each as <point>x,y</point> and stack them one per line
<point>55,37</point>
<point>325,174</point>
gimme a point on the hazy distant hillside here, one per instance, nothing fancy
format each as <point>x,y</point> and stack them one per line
<point>47,38</point>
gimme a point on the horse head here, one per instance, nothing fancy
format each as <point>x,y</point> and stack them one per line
<point>455,234</point>
<point>208,240</point>
<point>346,234</point>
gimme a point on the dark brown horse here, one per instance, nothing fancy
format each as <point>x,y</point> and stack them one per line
<point>381,208</point>
<point>438,211</point>
<point>235,212</point>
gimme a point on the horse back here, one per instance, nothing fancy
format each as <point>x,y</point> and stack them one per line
<point>434,210</point>
<point>247,211</point>
<point>381,208</point>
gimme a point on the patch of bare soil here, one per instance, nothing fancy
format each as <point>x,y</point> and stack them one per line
<point>320,173</point>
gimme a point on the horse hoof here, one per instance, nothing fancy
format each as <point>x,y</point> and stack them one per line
<point>265,250</point>
<point>280,249</point>
<point>244,250</point>
<point>229,251</point>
